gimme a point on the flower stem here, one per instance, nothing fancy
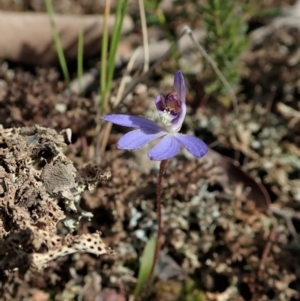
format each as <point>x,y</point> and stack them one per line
<point>162,169</point>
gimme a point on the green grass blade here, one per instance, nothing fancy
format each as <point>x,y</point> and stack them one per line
<point>145,265</point>
<point>108,61</point>
<point>103,64</point>
<point>58,46</point>
<point>114,40</point>
<point>120,14</point>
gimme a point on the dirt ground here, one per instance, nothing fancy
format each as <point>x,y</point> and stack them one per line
<point>230,220</point>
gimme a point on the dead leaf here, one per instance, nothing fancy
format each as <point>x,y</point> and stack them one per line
<point>27,37</point>
<point>236,175</point>
<point>167,267</point>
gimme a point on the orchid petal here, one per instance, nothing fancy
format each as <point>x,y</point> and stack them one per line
<point>179,85</point>
<point>138,138</point>
<point>165,149</point>
<point>194,145</point>
<point>133,122</point>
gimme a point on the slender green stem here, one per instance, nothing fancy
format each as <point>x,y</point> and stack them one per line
<point>113,45</point>
<point>108,57</point>
<point>58,46</point>
<point>104,49</point>
<point>120,14</point>
<point>162,169</point>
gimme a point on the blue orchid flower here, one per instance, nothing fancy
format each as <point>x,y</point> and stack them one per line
<point>172,111</point>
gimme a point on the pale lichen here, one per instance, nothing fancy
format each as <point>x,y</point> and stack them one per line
<point>39,188</point>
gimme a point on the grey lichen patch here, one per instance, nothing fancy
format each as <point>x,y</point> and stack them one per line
<point>90,243</point>
<point>34,176</point>
<point>59,179</point>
